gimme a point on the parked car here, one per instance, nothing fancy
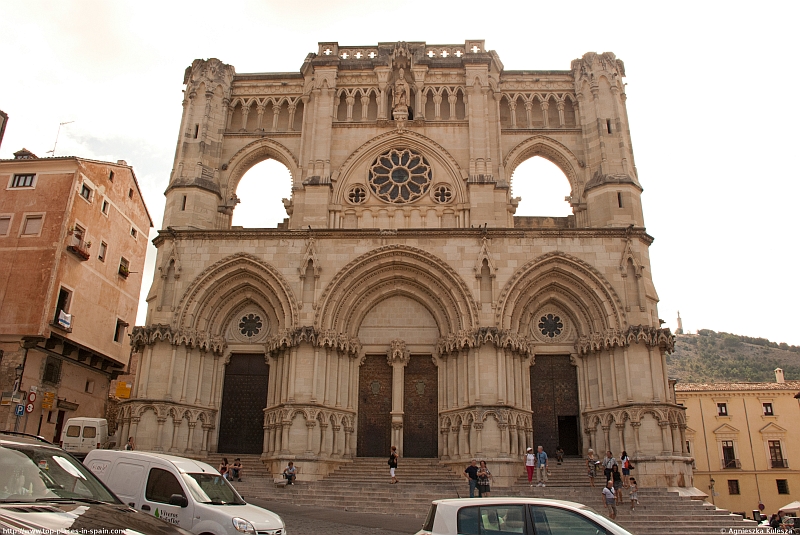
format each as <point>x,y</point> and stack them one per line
<point>188,493</point>
<point>82,435</point>
<point>44,489</point>
<point>493,516</point>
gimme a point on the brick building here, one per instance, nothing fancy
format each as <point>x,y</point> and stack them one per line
<point>403,302</point>
<point>73,236</point>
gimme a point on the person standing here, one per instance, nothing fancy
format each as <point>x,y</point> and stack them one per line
<point>484,475</point>
<point>608,462</point>
<point>530,465</point>
<point>559,454</point>
<point>471,473</point>
<point>610,499</point>
<point>393,464</point>
<point>591,463</point>
<point>130,446</point>
<point>616,479</point>
<point>626,468</point>
<point>634,490</point>
<point>541,467</point>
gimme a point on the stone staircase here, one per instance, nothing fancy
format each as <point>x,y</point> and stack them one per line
<point>363,486</point>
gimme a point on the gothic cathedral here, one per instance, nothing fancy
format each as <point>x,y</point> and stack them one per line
<point>402,302</point>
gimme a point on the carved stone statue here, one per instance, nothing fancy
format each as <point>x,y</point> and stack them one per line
<point>400,91</point>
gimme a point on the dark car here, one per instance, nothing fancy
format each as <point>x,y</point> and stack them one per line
<point>44,489</point>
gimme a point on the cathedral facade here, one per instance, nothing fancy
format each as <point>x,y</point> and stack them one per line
<point>402,302</point>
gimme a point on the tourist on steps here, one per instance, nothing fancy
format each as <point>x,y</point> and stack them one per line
<point>236,470</point>
<point>290,473</point>
<point>530,465</point>
<point>393,464</point>
<point>541,467</point>
<point>610,499</point>
<point>608,462</point>
<point>616,480</point>
<point>634,490</point>
<point>626,468</point>
<point>471,473</point>
<point>484,475</point>
<point>591,463</point>
<point>223,468</point>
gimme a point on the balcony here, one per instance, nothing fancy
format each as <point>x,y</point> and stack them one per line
<point>731,463</point>
<point>79,250</point>
<point>779,463</point>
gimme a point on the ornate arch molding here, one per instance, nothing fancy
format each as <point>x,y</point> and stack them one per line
<point>230,277</point>
<point>255,152</point>
<point>591,295</point>
<point>394,270</point>
<point>551,150</point>
<point>424,145</point>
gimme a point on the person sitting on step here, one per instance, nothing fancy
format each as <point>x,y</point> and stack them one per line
<point>290,473</point>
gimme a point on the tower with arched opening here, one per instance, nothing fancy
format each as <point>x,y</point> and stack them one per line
<point>402,302</point>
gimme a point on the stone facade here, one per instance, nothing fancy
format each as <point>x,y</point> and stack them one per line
<point>73,237</point>
<point>402,302</point>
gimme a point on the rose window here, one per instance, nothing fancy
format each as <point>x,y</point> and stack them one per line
<point>550,325</point>
<point>357,195</point>
<point>250,325</point>
<point>400,176</point>
<point>442,194</point>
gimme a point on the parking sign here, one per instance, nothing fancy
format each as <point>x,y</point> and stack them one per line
<point>19,410</point>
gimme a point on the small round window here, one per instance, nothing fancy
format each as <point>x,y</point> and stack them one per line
<point>250,325</point>
<point>400,176</point>
<point>357,195</point>
<point>442,194</point>
<point>551,325</point>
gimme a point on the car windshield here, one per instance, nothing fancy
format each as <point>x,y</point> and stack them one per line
<point>212,488</point>
<point>33,472</point>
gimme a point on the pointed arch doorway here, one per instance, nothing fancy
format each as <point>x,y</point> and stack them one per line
<point>244,398</point>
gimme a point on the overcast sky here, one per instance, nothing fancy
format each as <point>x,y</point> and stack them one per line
<point>713,134</point>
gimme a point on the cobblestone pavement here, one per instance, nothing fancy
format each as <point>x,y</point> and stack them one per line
<point>320,521</point>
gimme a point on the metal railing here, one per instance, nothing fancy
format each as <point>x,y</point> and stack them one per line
<point>731,463</point>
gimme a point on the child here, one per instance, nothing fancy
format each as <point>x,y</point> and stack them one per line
<point>634,489</point>
<point>616,479</point>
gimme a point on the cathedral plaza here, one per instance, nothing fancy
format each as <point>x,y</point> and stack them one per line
<point>402,302</point>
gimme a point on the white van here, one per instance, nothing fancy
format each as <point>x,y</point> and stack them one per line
<point>82,435</point>
<point>184,492</point>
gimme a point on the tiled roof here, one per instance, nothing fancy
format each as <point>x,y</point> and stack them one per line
<point>793,386</point>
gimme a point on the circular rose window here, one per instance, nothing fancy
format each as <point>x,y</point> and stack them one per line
<point>250,325</point>
<point>550,325</point>
<point>400,176</point>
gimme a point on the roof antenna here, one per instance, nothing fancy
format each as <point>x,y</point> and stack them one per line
<point>53,152</point>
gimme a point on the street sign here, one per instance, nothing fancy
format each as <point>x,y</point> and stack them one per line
<point>19,410</point>
<point>47,400</point>
<point>29,407</point>
<point>31,397</point>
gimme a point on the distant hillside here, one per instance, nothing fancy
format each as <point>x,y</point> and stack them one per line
<point>710,356</point>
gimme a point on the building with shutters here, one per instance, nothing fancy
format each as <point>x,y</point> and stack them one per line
<point>402,302</point>
<point>740,439</point>
<point>73,236</point>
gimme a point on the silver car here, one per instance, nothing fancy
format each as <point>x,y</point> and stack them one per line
<point>499,516</point>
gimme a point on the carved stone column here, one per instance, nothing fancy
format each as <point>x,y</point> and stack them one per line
<point>206,429</point>
<point>310,436</point>
<point>561,121</point>
<point>676,440</point>
<point>666,438</point>
<point>185,374</point>
<point>173,447</point>
<point>285,428</point>
<point>613,366</point>
<point>654,370</point>
<point>189,438</point>
<point>621,434</point>
<point>682,430</point>
<point>478,442</point>
<point>134,426</point>
<point>606,437</point>
<point>635,426</point>
<point>465,448</point>
<point>212,400</point>
<point>322,453</point>
<point>198,392</point>
<point>455,441</point>
<point>397,357</point>
<point>602,395</point>
<point>445,432</point>
<point>276,113</point>
<point>168,394</point>
<point>160,421</point>
<point>629,390</point>
<point>513,439</point>
<point>545,106</point>
<point>348,442</point>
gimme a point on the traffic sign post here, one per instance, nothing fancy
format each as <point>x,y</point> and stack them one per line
<point>31,397</point>
<point>19,410</point>
<point>29,408</point>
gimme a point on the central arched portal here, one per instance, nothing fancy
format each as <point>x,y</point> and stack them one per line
<point>244,397</point>
<point>555,405</point>
<point>398,381</point>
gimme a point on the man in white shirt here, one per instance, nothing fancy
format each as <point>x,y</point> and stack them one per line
<point>610,499</point>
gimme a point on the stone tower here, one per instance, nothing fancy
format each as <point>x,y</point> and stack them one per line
<point>404,303</point>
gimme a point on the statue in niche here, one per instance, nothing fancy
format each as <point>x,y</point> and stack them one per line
<point>400,99</point>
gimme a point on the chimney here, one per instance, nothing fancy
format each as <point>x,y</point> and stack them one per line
<point>779,376</point>
<point>122,162</point>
